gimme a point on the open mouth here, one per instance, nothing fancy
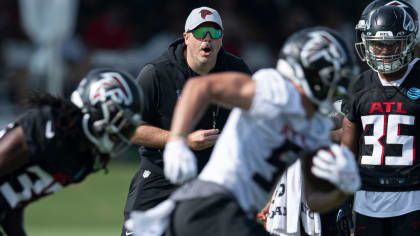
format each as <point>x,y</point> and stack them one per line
<point>206,49</point>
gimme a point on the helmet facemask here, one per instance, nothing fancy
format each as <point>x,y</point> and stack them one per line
<point>327,86</point>
<point>111,134</point>
<point>387,54</point>
<point>111,103</point>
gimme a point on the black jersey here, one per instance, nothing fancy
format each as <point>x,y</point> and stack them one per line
<point>162,81</point>
<point>388,119</point>
<point>55,156</point>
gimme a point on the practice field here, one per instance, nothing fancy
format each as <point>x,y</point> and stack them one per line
<point>94,207</point>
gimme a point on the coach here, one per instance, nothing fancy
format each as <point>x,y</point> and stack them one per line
<point>200,52</point>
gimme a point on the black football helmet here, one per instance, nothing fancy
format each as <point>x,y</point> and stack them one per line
<point>361,25</point>
<point>318,60</point>
<point>111,103</point>
<point>388,36</point>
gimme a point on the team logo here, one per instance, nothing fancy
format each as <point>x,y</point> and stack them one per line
<point>146,173</point>
<point>413,93</point>
<point>322,46</point>
<point>408,23</point>
<point>204,13</point>
<point>112,86</point>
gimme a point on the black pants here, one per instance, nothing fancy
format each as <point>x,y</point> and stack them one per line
<point>148,188</point>
<point>407,225</point>
<point>217,215</point>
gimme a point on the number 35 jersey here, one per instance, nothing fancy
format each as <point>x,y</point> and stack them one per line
<point>388,118</point>
<point>257,145</point>
<point>55,158</point>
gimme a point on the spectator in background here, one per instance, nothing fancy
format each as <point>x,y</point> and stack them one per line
<point>200,52</point>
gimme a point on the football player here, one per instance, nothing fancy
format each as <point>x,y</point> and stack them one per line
<point>57,143</point>
<point>277,114</point>
<point>381,123</point>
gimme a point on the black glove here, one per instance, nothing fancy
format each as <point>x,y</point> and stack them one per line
<point>344,219</point>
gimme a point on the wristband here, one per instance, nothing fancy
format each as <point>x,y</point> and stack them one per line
<point>179,135</point>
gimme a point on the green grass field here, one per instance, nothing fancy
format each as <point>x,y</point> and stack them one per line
<point>94,207</point>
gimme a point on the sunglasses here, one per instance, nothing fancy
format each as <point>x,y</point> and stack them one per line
<point>201,32</point>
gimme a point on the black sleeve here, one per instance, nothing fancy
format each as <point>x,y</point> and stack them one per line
<point>147,80</point>
<point>347,104</point>
<point>13,223</point>
<point>241,66</point>
<point>350,105</point>
<point>233,63</point>
<point>39,132</point>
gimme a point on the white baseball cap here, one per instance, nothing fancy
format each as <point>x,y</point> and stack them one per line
<point>201,15</point>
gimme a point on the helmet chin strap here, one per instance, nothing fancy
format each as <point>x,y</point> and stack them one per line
<point>104,144</point>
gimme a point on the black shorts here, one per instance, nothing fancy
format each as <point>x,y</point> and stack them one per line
<point>148,188</point>
<point>407,225</point>
<point>218,215</point>
<point>328,223</point>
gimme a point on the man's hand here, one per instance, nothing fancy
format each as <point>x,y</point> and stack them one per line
<point>202,139</point>
<point>180,164</point>
<point>337,166</point>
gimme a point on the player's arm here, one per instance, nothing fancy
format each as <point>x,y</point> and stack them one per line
<point>13,151</point>
<point>229,89</point>
<point>350,135</point>
<point>320,201</point>
<point>13,223</point>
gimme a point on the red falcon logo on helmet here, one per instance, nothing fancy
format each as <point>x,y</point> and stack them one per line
<point>111,86</point>
<point>205,12</point>
<point>322,46</point>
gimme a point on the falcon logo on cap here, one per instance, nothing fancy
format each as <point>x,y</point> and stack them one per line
<point>204,13</point>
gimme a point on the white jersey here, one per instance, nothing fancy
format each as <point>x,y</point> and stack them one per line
<point>276,122</point>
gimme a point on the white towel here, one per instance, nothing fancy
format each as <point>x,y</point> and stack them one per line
<point>277,213</point>
<point>288,205</point>
<point>152,222</point>
<point>311,221</point>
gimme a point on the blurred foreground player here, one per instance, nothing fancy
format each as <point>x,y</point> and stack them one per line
<point>57,143</point>
<point>277,114</point>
